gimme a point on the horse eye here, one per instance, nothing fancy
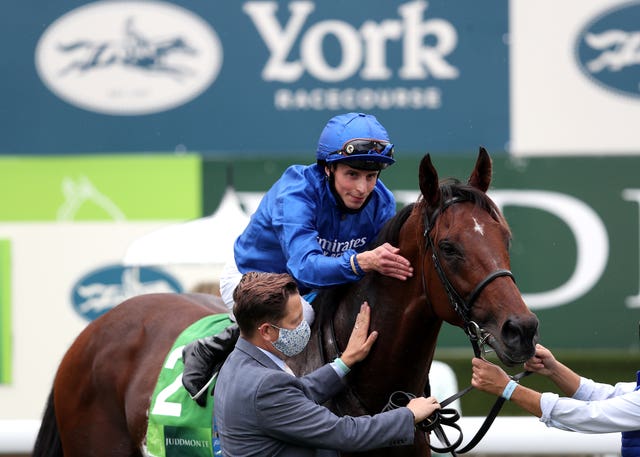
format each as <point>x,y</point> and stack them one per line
<point>450,249</point>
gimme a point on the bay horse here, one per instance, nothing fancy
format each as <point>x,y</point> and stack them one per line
<point>457,241</point>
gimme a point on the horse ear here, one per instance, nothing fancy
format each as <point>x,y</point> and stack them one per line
<point>429,185</point>
<point>481,176</point>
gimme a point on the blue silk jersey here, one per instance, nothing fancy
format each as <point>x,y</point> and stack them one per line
<point>299,229</point>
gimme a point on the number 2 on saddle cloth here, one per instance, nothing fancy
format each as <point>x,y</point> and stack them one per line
<point>178,426</point>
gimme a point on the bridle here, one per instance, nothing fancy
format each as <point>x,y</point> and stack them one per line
<point>477,336</point>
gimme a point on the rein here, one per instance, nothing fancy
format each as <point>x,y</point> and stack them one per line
<point>449,416</point>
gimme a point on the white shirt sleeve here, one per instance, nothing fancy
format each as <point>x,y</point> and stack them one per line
<point>594,408</point>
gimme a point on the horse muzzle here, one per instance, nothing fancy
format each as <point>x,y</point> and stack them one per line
<point>515,341</point>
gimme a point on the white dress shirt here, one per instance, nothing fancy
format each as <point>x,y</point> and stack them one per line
<point>594,408</point>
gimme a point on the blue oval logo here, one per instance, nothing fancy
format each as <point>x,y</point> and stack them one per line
<point>100,290</point>
<point>608,49</point>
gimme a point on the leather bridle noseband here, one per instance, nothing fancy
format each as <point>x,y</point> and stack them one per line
<point>477,336</point>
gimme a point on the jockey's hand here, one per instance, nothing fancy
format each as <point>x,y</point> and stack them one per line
<point>385,260</point>
<point>360,341</point>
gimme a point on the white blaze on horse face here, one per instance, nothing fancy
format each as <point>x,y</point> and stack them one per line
<point>477,227</point>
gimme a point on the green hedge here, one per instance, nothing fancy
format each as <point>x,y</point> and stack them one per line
<point>602,366</point>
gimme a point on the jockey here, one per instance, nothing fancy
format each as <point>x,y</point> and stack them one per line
<point>315,223</point>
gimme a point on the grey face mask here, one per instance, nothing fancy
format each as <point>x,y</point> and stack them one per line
<point>292,342</point>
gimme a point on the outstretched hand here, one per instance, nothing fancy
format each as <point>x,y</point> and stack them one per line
<point>386,260</point>
<point>360,341</point>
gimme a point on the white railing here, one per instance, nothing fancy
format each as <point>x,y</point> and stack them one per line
<point>507,435</point>
<point>18,436</point>
<point>527,435</point>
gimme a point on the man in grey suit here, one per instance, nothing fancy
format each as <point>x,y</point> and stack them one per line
<point>262,409</point>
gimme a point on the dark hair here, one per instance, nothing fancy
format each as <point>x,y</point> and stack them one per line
<point>262,297</point>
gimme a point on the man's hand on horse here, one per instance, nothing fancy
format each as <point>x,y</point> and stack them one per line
<point>386,260</point>
<point>360,341</point>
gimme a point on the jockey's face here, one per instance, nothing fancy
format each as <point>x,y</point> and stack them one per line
<point>353,185</point>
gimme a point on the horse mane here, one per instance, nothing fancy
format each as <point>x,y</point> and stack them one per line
<point>328,299</point>
<point>391,229</point>
<point>449,188</point>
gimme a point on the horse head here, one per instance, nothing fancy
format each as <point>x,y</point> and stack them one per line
<point>467,263</point>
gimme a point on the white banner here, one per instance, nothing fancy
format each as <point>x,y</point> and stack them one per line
<point>574,77</point>
<point>51,264</point>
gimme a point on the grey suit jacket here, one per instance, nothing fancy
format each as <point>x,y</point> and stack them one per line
<point>261,410</point>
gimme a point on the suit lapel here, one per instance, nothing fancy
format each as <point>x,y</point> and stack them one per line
<point>256,354</point>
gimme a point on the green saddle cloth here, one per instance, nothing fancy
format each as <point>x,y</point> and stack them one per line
<point>178,427</point>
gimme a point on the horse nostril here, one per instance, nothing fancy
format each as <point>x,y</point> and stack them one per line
<point>519,331</point>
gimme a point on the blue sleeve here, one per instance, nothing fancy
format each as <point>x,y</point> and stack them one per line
<point>295,223</point>
<point>296,217</point>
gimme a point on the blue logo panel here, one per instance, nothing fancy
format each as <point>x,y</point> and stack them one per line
<point>608,49</point>
<point>253,77</point>
<point>101,290</point>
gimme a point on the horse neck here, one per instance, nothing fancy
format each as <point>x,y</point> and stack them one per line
<point>402,354</point>
<point>407,327</point>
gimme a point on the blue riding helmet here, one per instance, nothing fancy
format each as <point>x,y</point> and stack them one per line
<point>356,139</point>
